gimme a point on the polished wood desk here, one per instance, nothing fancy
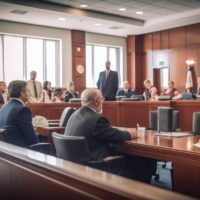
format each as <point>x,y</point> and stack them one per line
<point>180,151</point>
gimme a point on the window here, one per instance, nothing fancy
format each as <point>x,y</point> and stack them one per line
<point>1,59</point>
<point>96,56</point>
<point>20,55</point>
<point>13,58</point>
<point>35,58</point>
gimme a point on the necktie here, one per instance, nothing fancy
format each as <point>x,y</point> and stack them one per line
<point>107,72</point>
<point>35,89</point>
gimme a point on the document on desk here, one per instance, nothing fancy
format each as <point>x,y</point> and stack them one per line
<point>173,134</point>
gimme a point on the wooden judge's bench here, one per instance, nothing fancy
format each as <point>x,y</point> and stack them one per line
<point>126,113</point>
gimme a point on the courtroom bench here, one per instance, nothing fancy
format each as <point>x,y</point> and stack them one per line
<point>26,174</point>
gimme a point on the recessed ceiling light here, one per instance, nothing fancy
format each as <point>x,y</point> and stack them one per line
<point>83,5</point>
<point>139,12</point>
<point>61,18</point>
<point>97,24</point>
<point>122,9</point>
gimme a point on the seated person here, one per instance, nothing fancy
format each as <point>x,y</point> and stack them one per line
<point>70,93</point>
<point>3,94</point>
<point>46,92</point>
<point>87,121</point>
<point>198,86</point>
<point>58,95</point>
<point>150,92</point>
<point>15,118</point>
<point>126,91</point>
<point>171,91</point>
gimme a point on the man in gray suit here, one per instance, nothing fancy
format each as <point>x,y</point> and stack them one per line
<point>108,83</point>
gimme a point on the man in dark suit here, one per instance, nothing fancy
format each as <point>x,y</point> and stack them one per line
<point>15,118</point>
<point>108,83</point>
<point>87,121</point>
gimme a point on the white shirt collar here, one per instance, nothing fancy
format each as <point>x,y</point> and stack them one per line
<point>17,99</point>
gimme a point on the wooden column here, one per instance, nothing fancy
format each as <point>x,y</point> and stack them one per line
<point>78,60</point>
<point>134,64</point>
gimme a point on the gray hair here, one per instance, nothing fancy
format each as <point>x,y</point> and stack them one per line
<point>89,96</point>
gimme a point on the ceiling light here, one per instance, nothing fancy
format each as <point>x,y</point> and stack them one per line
<point>83,6</point>
<point>122,9</point>
<point>97,24</point>
<point>61,18</point>
<point>139,12</point>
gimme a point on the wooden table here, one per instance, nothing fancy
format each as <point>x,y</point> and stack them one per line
<point>180,151</point>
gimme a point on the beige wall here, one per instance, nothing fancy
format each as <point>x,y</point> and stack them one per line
<point>45,32</point>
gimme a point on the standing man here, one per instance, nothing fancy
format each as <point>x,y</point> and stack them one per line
<point>108,83</point>
<point>35,88</point>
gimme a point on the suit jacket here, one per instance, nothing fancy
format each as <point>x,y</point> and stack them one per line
<point>16,119</point>
<point>30,87</point>
<point>97,130</point>
<point>1,99</point>
<point>108,86</point>
<point>123,93</point>
<point>70,95</point>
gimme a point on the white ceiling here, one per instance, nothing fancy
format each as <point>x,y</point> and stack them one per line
<point>158,14</point>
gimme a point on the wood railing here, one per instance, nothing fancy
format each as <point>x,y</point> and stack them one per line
<point>25,174</point>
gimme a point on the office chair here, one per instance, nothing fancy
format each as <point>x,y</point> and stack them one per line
<point>62,122</point>
<point>196,123</point>
<point>153,121</point>
<point>45,148</point>
<point>75,149</point>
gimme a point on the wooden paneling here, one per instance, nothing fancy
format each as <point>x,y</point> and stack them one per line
<point>193,34</point>
<point>157,41</point>
<point>177,37</point>
<point>78,58</point>
<point>178,68</point>
<point>165,39</point>
<point>147,42</point>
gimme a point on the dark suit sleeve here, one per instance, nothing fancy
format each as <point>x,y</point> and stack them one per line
<point>1,99</point>
<point>116,82</point>
<point>25,124</point>
<point>104,131</point>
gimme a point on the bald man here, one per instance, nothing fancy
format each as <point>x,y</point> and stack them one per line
<point>126,91</point>
<point>35,88</point>
<point>87,121</point>
<point>108,82</point>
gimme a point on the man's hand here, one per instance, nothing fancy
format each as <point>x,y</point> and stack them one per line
<point>133,132</point>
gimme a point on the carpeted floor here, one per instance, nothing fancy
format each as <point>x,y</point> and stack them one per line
<point>165,176</point>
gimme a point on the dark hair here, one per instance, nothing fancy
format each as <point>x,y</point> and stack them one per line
<point>45,84</point>
<point>58,92</point>
<point>15,88</point>
<point>172,82</point>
